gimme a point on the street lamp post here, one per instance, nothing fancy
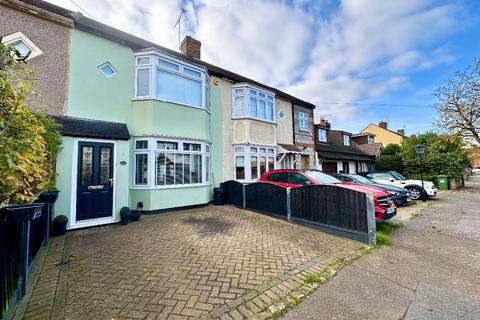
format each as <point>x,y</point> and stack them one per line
<point>420,151</point>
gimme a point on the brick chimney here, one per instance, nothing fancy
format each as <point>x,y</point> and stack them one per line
<point>401,132</point>
<point>191,47</point>
<point>324,123</point>
<point>383,124</point>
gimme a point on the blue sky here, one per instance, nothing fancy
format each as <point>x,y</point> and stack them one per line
<point>359,61</point>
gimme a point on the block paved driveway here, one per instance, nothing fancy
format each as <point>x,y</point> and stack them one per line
<point>184,264</point>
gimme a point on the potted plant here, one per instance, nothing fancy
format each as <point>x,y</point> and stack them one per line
<point>60,225</point>
<point>124,215</point>
<point>135,214</point>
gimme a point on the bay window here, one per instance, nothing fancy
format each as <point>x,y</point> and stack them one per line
<point>170,80</point>
<point>165,163</point>
<point>251,102</point>
<point>252,161</point>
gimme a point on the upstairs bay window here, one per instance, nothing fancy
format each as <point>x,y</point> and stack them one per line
<point>166,79</point>
<point>166,163</point>
<point>250,102</point>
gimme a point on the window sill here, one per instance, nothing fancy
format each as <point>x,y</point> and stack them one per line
<point>304,130</point>
<point>197,185</point>
<point>255,119</point>
<point>172,102</point>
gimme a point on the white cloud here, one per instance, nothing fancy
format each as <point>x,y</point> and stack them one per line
<point>321,51</point>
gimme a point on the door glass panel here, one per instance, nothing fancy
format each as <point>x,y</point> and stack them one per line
<point>87,156</point>
<point>104,165</point>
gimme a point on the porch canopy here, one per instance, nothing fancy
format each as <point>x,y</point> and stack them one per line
<point>88,128</point>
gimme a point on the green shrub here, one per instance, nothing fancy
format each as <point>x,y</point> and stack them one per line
<point>125,211</point>
<point>389,163</point>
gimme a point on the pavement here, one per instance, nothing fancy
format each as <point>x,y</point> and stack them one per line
<point>213,262</point>
<point>432,271</point>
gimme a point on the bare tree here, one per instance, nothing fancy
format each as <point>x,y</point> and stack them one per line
<point>459,103</point>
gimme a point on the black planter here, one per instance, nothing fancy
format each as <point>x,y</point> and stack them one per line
<point>134,215</point>
<point>218,197</point>
<point>59,227</point>
<point>49,198</point>
<point>21,212</point>
<point>124,218</point>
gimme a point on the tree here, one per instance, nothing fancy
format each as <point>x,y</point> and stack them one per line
<point>445,154</point>
<point>390,159</point>
<point>459,103</point>
<point>391,149</point>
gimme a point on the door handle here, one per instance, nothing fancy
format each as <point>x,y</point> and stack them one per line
<point>98,187</point>
<point>111,182</point>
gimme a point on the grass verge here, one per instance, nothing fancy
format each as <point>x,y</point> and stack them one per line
<point>384,232</point>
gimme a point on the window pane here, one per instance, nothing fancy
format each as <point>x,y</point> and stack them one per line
<point>207,169</point>
<point>178,169</point>
<point>141,168</point>
<point>261,95</point>
<point>21,47</point>
<point>160,169</point>
<point>271,164</point>
<point>240,168</point>
<point>143,60</point>
<point>167,145</point>
<point>253,92</point>
<point>270,98</point>
<point>271,151</point>
<point>141,144</point>
<point>168,65</point>
<point>169,86</point>
<point>192,73</point>
<point>193,92</point>
<point>261,109</point>
<point>170,169</point>
<point>263,165</point>
<point>191,147</point>
<point>186,169</point>
<point>253,107</point>
<point>239,91</point>
<point>195,168</point>
<point>207,148</point>
<point>87,154</point>
<point>270,111</point>
<point>263,150</point>
<point>239,149</point>
<point>253,149</point>
<point>104,165</point>
<point>143,82</point>
<point>254,167</point>
<point>239,108</point>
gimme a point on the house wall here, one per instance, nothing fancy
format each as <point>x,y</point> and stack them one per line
<point>285,125</point>
<point>222,94</point>
<point>93,96</point>
<point>383,136</point>
<point>51,67</point>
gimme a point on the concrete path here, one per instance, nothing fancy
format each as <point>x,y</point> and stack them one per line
<point>431,272</point>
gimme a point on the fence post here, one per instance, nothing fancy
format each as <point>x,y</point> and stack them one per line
<point>371,224</point>
<point>289,206</point>
<point>244,196</point>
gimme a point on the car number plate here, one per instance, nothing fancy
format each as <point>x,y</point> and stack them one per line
<point>408,199</point>
<point>390,210</point>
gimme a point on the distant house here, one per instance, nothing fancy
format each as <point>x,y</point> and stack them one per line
<point>337,152</point>
<point>383,135</point>
<point>365,142</point>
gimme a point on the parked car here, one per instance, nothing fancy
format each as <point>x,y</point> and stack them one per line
<point>385,208</point>
<point>401,196</point>
<point>396,179</point>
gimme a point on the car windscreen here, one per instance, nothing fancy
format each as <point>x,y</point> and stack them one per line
<point>321,178</point>
<point>362,179</point>
<point>397,175</point>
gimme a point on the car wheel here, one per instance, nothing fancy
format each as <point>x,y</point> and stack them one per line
<point>415,192</point>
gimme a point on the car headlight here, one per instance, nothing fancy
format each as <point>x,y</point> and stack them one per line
<point>397,194</point>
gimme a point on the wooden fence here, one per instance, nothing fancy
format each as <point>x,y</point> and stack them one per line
<point>330,208</point>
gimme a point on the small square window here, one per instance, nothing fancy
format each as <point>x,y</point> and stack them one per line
<point>143,60</point>
<point>282,114</point>
<point>192,73</point>
<point>23,45</point>
<point>141,144</point>
<point>168,65</point>
<point>22,48</point>
<point>253,150</point>
<point>107,69</point>
<point>167,145</point>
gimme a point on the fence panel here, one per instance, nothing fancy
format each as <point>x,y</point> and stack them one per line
<point>233,193</point>
<point>267,198</point>
<point>333,207</point>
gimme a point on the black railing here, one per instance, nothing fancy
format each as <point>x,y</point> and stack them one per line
<point>331,208</point>
<point>22,234</point>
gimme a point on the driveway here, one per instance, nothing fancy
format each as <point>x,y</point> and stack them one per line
<point>431,272</point>
<point>209,262</point>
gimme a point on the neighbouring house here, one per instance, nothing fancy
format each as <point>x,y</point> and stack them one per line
<point>365,142</point>
<point>383,135</point>
<point>39,32</point>
<point>304,136</point>
<point>155,129</point>
<point>337,153</point>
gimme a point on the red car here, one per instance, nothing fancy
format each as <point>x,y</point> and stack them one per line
<point>384,206</point>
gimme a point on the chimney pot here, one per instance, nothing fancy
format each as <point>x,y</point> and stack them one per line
<point>190,47</point>
<point>324,123</point>
<point>383,124</point>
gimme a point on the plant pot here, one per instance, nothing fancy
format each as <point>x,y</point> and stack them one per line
<point>21,212</point>
<point>124,218</point>
<point>134,215</point>
<point>59,227</point>
<point>48,196</point>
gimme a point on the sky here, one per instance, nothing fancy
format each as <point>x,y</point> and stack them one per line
<point>358,61</point>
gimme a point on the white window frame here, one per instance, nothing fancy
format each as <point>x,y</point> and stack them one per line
<point>153,65</point>
<point>346,142</point>
<point>371,140</point>
<point>248,152</point>
<point>318,135</point>
<point>19,36</point>
<point>153,151</point>
<point>269,98</point>
<point>303,121</point>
